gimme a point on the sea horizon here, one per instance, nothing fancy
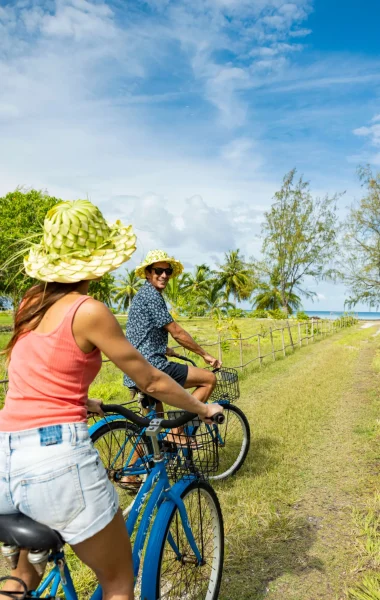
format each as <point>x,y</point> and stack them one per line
<point>335,314</point>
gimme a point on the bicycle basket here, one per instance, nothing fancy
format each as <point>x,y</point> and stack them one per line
<point>194,452</point>
<point>227,385</point>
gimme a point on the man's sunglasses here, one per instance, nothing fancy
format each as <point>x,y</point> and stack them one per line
<point>160,270</point>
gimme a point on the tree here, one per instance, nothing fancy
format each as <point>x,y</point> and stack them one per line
<point>235,276</point>
<point>126,289</point>
<point>22,216</point>
<point>199,281</point>
<point>214,300</point>
<point>361,266</point>
<point>102,289</point>
<point>175,293</point>
<point>299,237</point>
<point>269,296</point>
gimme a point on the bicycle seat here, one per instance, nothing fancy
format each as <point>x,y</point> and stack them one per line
<point>19,530</point>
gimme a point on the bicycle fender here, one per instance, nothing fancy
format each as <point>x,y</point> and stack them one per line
<point>102,422</point>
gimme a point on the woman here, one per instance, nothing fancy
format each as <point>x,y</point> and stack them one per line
<point>49,469</point>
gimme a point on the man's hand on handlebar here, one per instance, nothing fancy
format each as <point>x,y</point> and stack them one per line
<point>213,362</point>
<point>211,409</point>
<point>171,352</point>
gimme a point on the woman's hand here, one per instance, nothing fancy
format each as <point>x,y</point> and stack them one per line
<point>94,406</point>
<point>211,409</point>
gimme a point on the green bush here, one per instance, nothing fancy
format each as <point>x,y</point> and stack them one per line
<point>277,314</point>
<point>237,313</point>
<point>302,316</point>
<point>258,314</point>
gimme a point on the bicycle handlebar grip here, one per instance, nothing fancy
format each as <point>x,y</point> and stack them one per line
<point>219,418</point>
<point>186,359</point>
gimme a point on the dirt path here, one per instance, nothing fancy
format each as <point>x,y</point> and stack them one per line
<point>338,481</point>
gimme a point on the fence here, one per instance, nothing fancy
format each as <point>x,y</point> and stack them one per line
<point>289,336</point>
<point>297,334</point>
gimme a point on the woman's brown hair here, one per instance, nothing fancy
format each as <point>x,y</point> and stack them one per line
<point>33,307</point>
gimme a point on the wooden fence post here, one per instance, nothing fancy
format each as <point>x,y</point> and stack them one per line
<point>241,352</point>
<point>290,335</point>
<point>272,343</point>
<point>312,329</point>
<point>219,348</point>
<point>299,335</point>
<point>259,350</point>
<point>283,341</point>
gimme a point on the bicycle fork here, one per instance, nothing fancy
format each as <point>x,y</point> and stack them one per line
<point>152,431</point>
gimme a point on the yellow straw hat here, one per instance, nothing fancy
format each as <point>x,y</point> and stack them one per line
<point>155,256</point>
<point>78,244</point>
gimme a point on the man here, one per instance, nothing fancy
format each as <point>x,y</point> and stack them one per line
<point>149,323</point>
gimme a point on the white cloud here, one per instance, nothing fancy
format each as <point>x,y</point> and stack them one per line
<point>372,132</point>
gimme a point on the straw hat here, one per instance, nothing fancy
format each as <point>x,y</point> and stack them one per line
<point>78,244</point>
<point>155,256</point>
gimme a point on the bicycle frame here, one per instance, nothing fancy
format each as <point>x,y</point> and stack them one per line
<point>136,468</point>
<point>158,488</point>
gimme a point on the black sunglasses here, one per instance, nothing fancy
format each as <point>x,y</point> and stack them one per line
<point>160,270</point>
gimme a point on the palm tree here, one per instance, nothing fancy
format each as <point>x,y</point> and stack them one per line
<point>235,276</point>
<point>214,300</point>
<point>198,282</point>
<point>127,289</point>
<point>175,292</point>
<point>270,296</point>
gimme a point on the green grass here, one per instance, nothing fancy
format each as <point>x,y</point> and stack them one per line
<point>299,515</point>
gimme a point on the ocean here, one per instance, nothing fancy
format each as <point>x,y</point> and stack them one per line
<point>326,314</point>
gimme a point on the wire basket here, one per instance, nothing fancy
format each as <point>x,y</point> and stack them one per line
<point>190,453</point>
<point>227,385</point>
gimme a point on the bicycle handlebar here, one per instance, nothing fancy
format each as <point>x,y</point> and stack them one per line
<point>166,423</point>
<point>185,358</point>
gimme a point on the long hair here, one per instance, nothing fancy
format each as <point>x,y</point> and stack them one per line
<point>37,300</point>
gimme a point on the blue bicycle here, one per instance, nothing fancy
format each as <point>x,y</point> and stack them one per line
<point>176,521</point>
<point>115,441</point>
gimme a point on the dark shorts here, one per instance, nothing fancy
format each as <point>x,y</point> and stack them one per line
<point>177,371</point>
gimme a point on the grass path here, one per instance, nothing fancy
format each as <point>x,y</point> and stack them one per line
<point>290,531</point>
<point>288,517</point>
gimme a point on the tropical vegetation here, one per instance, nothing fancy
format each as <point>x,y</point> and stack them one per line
<point>300,236</point>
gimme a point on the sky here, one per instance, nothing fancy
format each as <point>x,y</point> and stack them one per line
<point>183,116</point>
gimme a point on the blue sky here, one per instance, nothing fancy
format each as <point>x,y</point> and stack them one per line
<point>183,116</point>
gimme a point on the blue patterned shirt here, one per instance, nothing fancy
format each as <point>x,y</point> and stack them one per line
<point>147,317</point>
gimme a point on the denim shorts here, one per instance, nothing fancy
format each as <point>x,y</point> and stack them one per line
<point>55,476</point>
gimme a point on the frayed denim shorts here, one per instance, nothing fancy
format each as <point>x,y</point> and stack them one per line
<point>55,476</point>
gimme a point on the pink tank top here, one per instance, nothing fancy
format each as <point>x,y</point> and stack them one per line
<point>49,377</point>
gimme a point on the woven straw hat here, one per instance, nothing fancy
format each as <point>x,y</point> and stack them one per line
<point>78,244</point>
<point>155,256</point>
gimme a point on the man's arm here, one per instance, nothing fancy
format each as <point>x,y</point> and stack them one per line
<point>185,340</point>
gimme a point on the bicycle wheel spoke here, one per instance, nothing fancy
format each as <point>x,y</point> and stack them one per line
<point>184,578</point>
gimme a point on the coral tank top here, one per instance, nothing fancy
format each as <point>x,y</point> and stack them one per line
<point>49,377</point>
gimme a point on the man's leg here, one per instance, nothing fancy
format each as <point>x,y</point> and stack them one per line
<point>203,380</point>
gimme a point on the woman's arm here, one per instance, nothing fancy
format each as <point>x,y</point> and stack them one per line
<point>95,323</point>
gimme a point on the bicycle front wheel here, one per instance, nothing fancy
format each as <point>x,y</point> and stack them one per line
<point>171,569</point>
<point>233,438</point>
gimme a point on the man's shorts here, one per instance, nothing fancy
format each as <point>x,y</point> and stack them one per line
<point>177,371</point>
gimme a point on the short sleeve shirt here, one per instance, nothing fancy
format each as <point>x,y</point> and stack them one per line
<point>147,318</point>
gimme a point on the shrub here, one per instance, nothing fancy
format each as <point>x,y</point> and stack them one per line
<point>278,314</point>
<point>302,316</point>
<point>258,314</point>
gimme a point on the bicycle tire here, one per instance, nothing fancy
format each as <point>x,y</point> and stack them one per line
<point>196,582</point>
<point>231,456</point>
<point>109,431</point>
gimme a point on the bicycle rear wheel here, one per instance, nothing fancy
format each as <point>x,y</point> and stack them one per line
<point>171,570</point>
<point>233,438</point>
<point>116,443</point>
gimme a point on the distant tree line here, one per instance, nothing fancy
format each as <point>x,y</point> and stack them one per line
<point>302,242</point>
